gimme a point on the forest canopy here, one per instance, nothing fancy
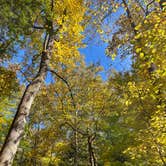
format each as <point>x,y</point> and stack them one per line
<point>57,109</point>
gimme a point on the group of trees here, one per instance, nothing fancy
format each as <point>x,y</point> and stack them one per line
<point>56,110</point>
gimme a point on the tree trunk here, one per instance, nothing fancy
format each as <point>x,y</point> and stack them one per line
<point>16,130</point>
<point>75,140</point>
<point>92,158</point>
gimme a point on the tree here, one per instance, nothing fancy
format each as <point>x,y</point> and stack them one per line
<point>8,90</point>
<point>65,130</point>
<point>59,33</point>
<point>148,89</point>
<point>115,22</point>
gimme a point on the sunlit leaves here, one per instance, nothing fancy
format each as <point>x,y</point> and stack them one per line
<point>148,89</point>
<point>125,113</point>
<point>70,15</point>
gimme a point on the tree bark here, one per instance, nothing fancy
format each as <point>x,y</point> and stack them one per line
<point>76,142</point>
<point>92,158</point>
<point>16,130</point>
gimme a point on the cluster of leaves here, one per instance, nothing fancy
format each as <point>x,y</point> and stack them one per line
<point>148,90</point>
<point>8,88</point>
<point>8,82</point>
<point>68,17</point>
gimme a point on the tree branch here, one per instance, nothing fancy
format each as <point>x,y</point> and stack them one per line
<point>74,129</point>
<point>67,84</point>
<point>147,7</point>
<point>38,27</point>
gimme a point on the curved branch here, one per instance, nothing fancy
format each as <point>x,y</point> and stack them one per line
<point>67,84</point>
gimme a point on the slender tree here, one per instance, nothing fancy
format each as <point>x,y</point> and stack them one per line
<point>53,30</point>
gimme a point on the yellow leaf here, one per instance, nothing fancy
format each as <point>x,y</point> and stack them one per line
<point>141,55</point>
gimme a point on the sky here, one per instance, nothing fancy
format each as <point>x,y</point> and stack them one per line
<point>96,53</point>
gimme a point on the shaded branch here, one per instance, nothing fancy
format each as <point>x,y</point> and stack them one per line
<point>35,22</point>
<point>26,78</point>
<point>75,129</point>
<point>67,84</point>
<point>147,7</point>
<point>38,27</point>
<point>52,5</point>
<point>129,16</point>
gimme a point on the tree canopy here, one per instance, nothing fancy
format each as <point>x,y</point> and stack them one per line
<point>56,109</point>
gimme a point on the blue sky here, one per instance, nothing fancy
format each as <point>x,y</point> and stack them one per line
<point>96,53</point>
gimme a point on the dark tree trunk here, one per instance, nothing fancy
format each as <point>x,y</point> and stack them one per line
<point>92,158</point>
<point>76,146</point>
